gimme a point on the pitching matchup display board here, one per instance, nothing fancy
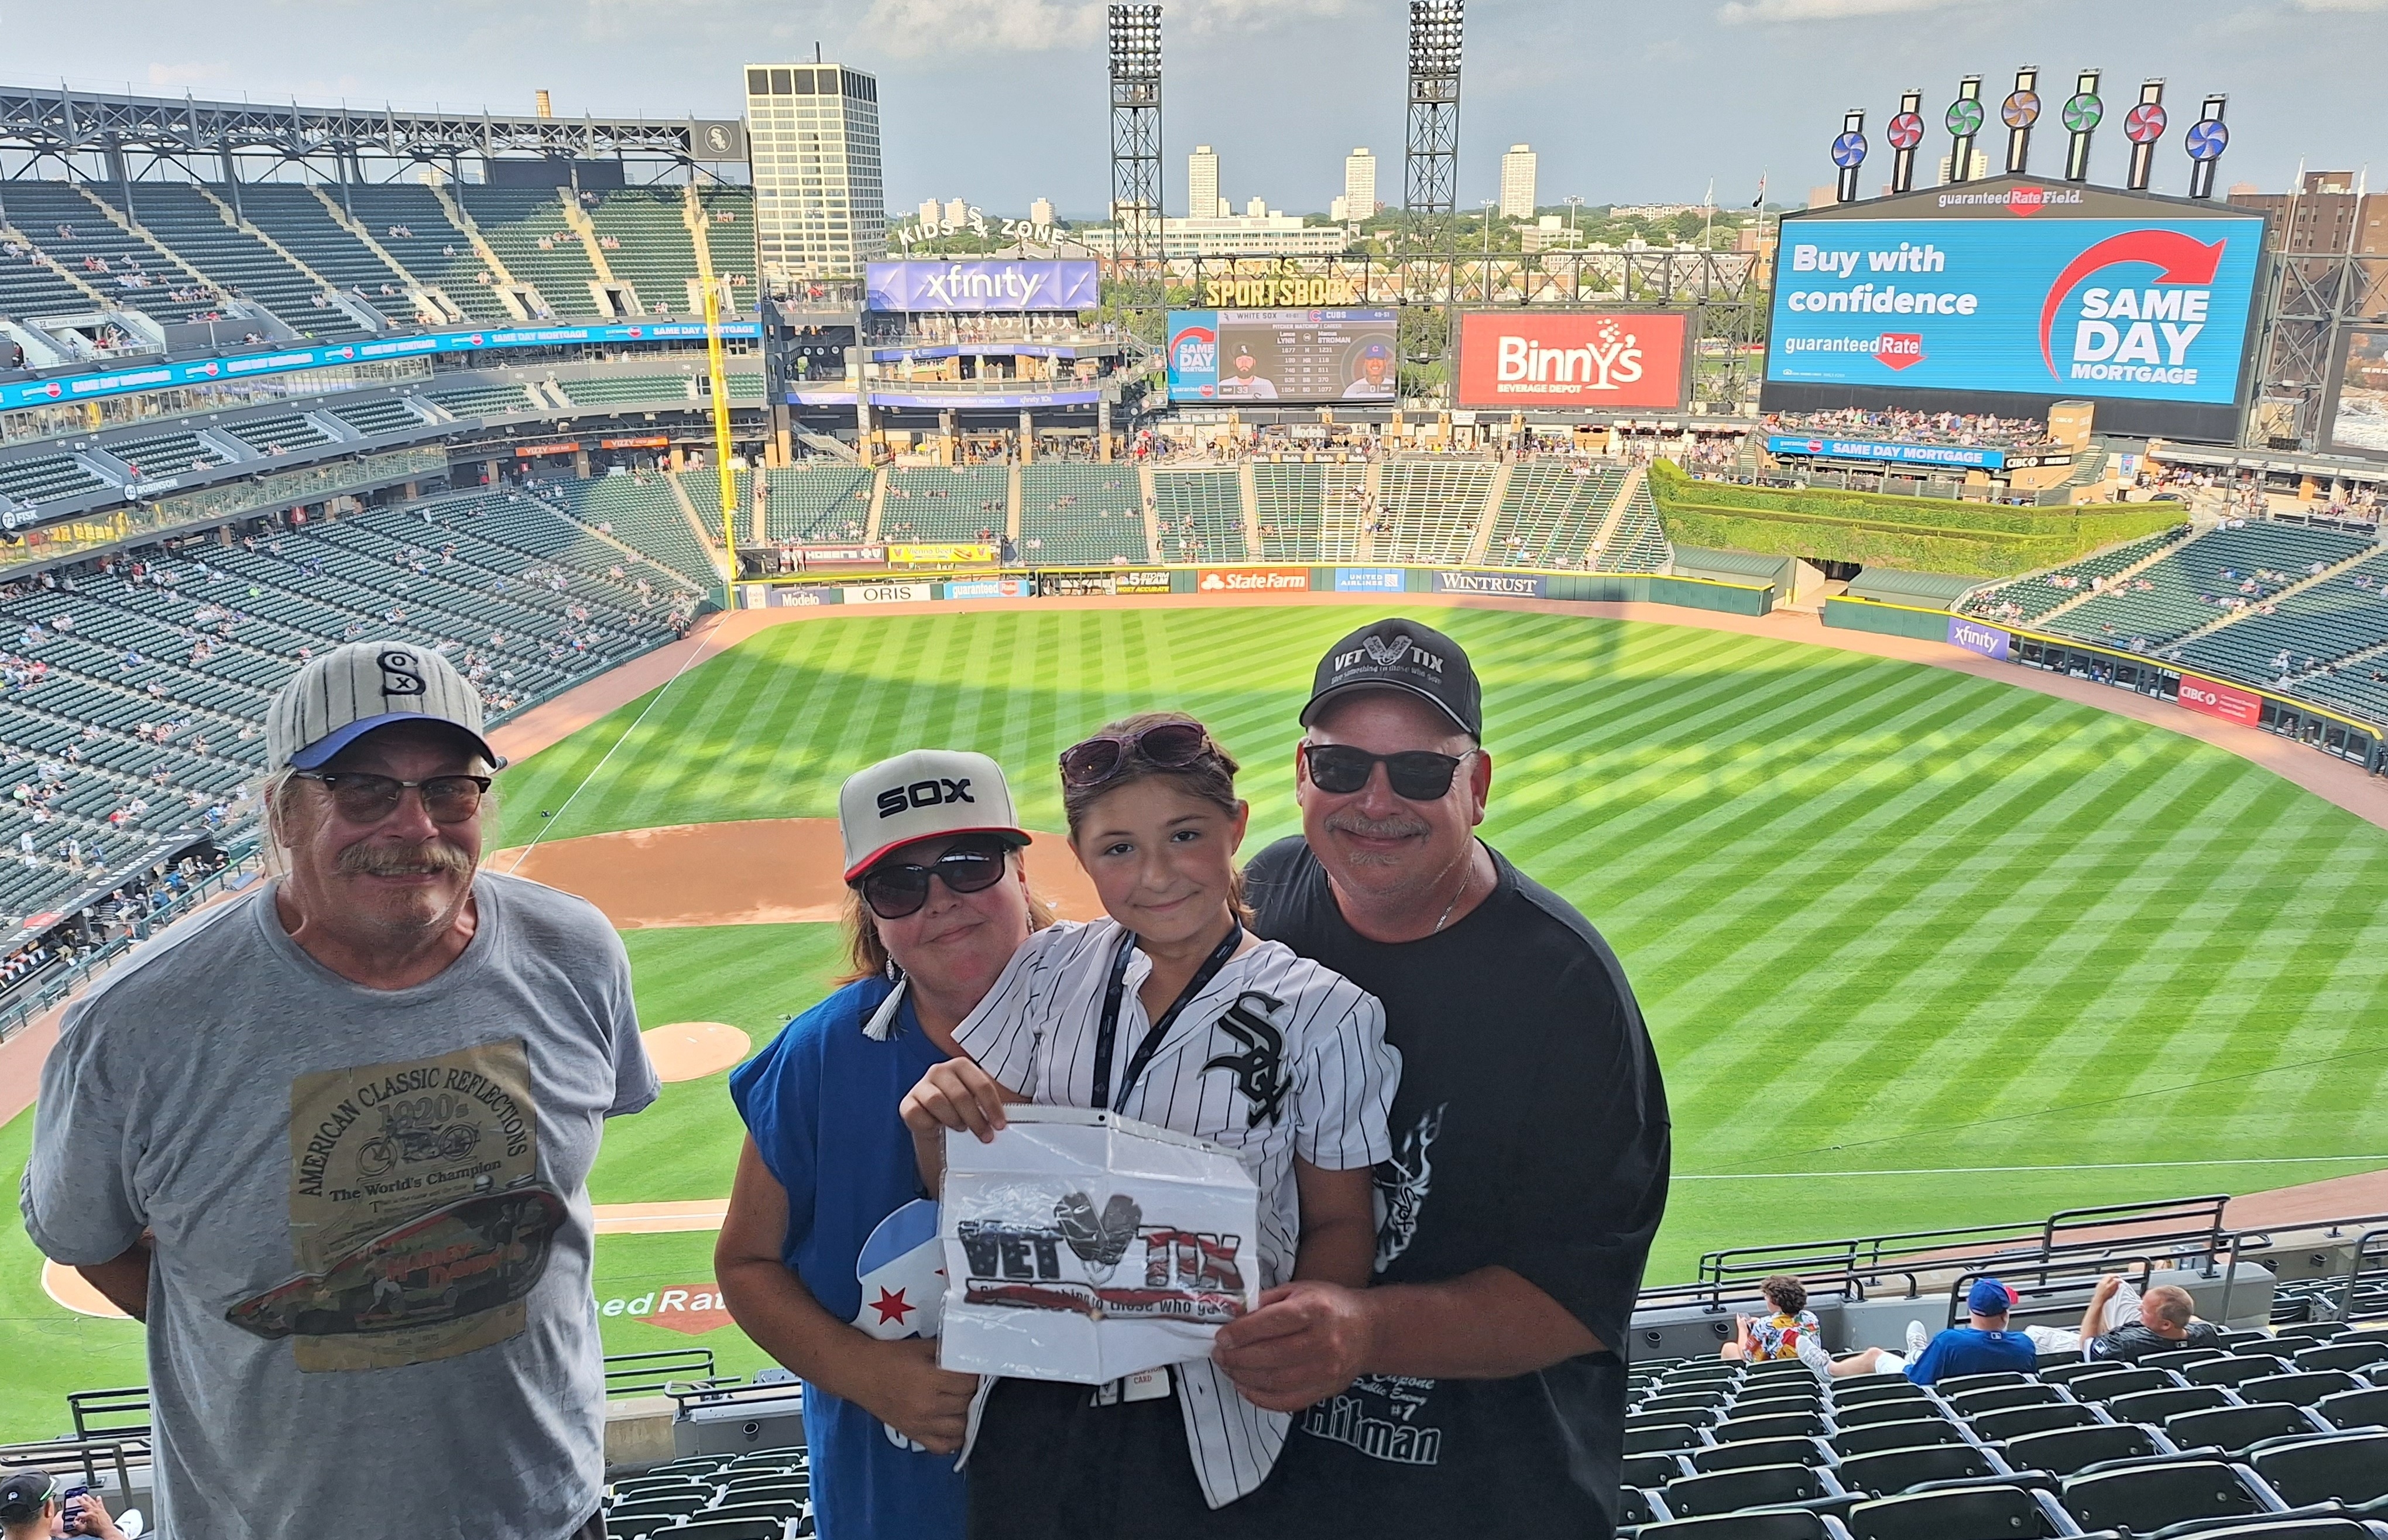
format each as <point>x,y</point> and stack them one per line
<point>1283,355</point>
<point>2010,288</point>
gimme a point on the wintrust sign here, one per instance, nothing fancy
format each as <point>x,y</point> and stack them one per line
<point>1601,360</point>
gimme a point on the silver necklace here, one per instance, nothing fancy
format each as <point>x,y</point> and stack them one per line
<point>1447,908</point>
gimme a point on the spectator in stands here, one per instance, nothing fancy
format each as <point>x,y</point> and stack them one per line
<point>1779,1334</point>
<point>1983,1345</point>
<point>2158,1322</point>
<point>1530,1137</point>
<point>937,900</point>
<point>382,999</point>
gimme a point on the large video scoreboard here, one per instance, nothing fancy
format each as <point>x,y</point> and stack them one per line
<point>1283,355</point>
<point>2005,295</point>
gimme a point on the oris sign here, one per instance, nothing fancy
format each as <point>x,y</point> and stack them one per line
<point>1593,360</point>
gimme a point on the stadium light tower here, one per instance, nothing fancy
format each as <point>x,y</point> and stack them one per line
<point>1430,156</point>
<point>1136,147</point>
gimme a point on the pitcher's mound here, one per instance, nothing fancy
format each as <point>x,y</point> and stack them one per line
<point>67,1287</point>
<point>691,1051</point>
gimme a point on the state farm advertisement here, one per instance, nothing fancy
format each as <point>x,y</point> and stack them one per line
<point>1253,579</point>
<point>2226,701</point>
<point>1604,360</point>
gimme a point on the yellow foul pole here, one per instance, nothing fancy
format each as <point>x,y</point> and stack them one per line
<point>721,430</point>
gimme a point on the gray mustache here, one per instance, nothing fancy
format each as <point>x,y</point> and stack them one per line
<point>387,861</point>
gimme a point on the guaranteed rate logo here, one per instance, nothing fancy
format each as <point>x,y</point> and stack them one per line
<point>2137,334</point>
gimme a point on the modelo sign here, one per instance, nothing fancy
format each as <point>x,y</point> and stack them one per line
<point>992,285</point>
<point>1602,359</point>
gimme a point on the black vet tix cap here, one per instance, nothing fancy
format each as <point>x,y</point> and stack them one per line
<point>1402,655</point>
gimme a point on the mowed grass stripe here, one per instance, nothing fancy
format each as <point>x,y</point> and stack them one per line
<point>1862,899</point>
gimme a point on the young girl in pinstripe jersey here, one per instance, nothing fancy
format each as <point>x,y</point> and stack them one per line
<point>1168,1011</point>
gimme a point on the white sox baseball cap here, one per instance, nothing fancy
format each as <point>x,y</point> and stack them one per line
<point>349,691</point>
<point>923,795</point>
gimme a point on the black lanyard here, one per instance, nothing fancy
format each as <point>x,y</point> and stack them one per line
<point>1109,1030</point>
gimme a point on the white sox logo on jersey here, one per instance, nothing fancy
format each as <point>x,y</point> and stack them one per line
<point>1260,1069</point>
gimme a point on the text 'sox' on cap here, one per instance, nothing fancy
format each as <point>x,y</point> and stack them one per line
<point>923,795</point>
<point>1401,655</point>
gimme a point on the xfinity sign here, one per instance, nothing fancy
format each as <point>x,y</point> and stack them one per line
<point>985,286</point>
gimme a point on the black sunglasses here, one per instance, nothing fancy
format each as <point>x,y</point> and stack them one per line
<point>1171,745</point>
<point>371,798</point>
<point>894,889</point>
<point>1416,774</point>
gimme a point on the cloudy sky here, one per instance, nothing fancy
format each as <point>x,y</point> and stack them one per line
<point>1001,101</point>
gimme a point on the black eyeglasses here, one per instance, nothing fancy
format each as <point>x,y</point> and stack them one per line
<point>370,799</point>
<point>1170,746</point>
<point>1416,774</point>
<point>894,889</point>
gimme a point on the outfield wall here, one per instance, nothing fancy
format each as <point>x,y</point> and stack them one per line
<point>1236,582</point>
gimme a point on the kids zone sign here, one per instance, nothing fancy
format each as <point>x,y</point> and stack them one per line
<point>2035,301</point>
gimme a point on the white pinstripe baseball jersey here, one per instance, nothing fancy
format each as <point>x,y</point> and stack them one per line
<point>1277,1056</point>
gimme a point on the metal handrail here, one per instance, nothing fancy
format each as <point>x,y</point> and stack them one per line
<point>118,1454</point>
<point>2262,1238</point>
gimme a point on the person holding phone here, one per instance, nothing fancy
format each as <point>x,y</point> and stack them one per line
<point>1171,1011</point>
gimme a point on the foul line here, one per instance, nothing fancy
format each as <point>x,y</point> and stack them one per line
<point>546,824</point>
<point>1996,1170</point>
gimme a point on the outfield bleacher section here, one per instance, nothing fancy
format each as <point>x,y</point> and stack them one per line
<point>625,390</point>
<point>652,251</point>
<point>132,705</point>
<point>1428,510</point>
<point>640,509</point>
<point>408,221</point>
<point>300,223</point>
<point>485,401</point>
<point>30,288</point>
<point>1550,512</point>
<point>821,502</point>
<point>2203,581</point>
<point>75,231</point>
<point>729,236</point>
<point>2295,641</point>
<point>964,504</point>
<point>47,479</point>
<point>1075,513</point>
<point>279,435</point>
<point>166,454</point>
<point>381,417</point>
<point>1201,515</point>
<point>2023,601</point>
<point>184,219</point>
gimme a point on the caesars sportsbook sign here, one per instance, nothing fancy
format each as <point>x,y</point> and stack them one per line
<point>1594,360</point>
<point>2011,288</point>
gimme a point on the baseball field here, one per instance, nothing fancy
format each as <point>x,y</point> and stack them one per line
<point>1918,948</point>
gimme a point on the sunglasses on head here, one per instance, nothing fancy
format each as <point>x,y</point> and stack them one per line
<point>371,798</point>
<point>894,889</point>
<point>1416,775</point>
<point>1171,745</point>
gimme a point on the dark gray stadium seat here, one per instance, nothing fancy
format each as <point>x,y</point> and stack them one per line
<point>665,1504</point>
<point>1786,1395</point>
<point>1703,1374</point>
<point>2119,1381</point>
<point>2144,1498</point>
<point>2181,1358</point>
<point>1653,1469</point>
<point>1761,1451</point>
<point>779,1512</point>
<point>2308,1527</point>
<point>1689,1417</point>
<point>1872,1388</point>
<point>2071,1450</point>
<point>2235,1369</point>
<point>2231,1340</point>
<point>728,1529</point>
<point>2358,1350</point>
<point>1662,1436</point>
<point>1997,1427</point>
<point>1958,1384</point>
<point>2233,1429</point>
<point>1894,1471</point>
<point>1910,1435</point>
<point>654,1482</point>
<point>1778,1524</point>
<point>2153,1406</point>
<point>1986,1512</point>
<point>1996,1397</point>
<point>1778,1368</point>
<point>1775,1425</point>
<point>2308,1332</point>
<point>780,1491</point>
<point>2354,1409</point>
<point>2299,1390</point>
<point>1758,1487</point>
<point>1675,1400</point>
<point>1636,1506</point>
<point>2348,1467</point>
<point>2064,1374</point>
<point>1899,1410</point>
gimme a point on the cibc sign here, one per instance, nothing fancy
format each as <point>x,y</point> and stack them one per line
<point>2213,698</point>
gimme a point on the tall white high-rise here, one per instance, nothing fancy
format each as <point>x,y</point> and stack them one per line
<point>929,210</point>
<point>956,211</point>
<point>1041,212</point>
<point>1203,199</point>
<point>1360,184</point>
<point>1518,182</point>
<point>820,207</point>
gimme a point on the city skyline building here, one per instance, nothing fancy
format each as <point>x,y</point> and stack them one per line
<point>820,206</point>
<point>1203,199</point>
<point>1518,182</point>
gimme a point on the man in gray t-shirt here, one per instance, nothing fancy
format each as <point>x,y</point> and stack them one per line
<point>331,1142</point>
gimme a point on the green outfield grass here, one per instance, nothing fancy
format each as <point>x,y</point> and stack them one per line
<point>1917,948</point>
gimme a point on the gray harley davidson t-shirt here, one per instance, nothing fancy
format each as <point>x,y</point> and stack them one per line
<point>370,1310</point>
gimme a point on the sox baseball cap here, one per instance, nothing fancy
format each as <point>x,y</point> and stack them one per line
<point>349,691</point>
<point>22,1495</point>
<point>1401,655</point>
<point>923,795</point>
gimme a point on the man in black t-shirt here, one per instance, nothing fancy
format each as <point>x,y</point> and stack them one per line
<point>1476,1388</point>
<point>2168,1320</point>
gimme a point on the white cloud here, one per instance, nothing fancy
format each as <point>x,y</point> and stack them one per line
<point>2375,5</point>
<point>1737,12</point>
<point>914,28</point>
<point>188,73</point>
